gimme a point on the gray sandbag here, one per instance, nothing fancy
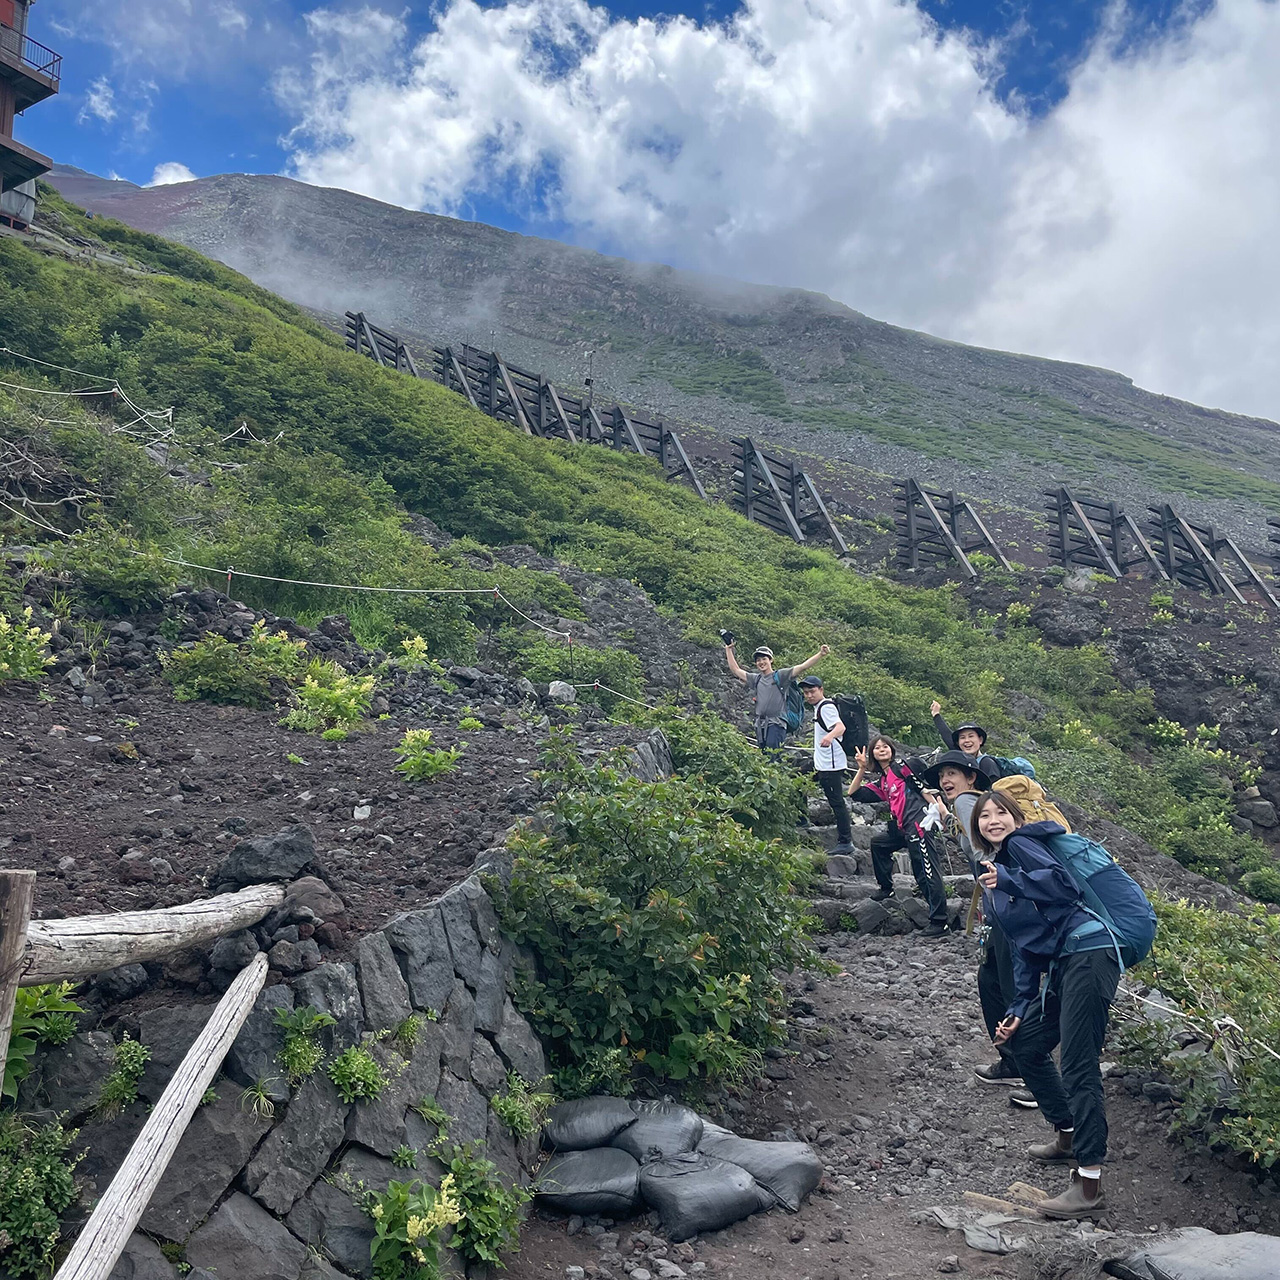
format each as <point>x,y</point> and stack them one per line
<point>604,1180</point>
<point>789,1169</point>
<point>661,1129</point>
<point>586,1122</point>
<point>1195,1253</point>
<point>696,1193</point>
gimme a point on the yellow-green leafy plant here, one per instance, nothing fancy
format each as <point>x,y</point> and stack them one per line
<point>420,761</point>
<point>522,1108</point>
<point>120,1088</point>
<point>301,1054</point>
<point>37,1185</point>
<point>277,653</point>
<point>488,1223</point>
<point>41,1015</point>
<point>329,700</point>
<point>357,1076</point>
<point>24,653</point>
<point>408,1220</point>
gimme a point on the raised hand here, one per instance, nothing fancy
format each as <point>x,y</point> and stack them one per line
<point>935,707</point>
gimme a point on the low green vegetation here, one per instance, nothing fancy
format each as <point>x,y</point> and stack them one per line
<point>357,1076</point>
<point>522,1108</point>
<point>659,924</point>
<point>41,1015</point>
<point>617,671</point>
<point>23,648</point>
<point>409,1219</point>
<point>301,1053</point>
<point>419,761</point>
<point>120,1088</point>
<point>489,1209</point>
<point>37,1185</point>
<point>329,701</point>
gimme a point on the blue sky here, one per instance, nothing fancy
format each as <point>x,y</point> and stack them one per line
<point>1090,181</point>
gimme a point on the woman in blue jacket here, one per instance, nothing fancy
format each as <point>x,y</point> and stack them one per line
<point>1054,938</point>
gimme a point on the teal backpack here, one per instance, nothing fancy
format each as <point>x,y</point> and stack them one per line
<point>1108,893</point>
<point>795,704</point>
<point>1011,765</point>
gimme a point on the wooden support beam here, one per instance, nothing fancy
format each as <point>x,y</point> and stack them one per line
<point>84,945</point>
<point>620,415</point>
<point>686,466</point>
<point>1105,558</point>
<point>763,463</point>
<point>594,426</point>
<point>410,367</point>
<point>521,420</point>
<point>1148,552</point>
<point>17,889</point>
<point>806,480</point>
<point>1202,556</point>
<point>916,495</point>
<point>969,509</point>
<point>102,1240</point>
<point>366,331</point>
<point>1250,573</point>
<point>558,409</point>
<point>463,385</point>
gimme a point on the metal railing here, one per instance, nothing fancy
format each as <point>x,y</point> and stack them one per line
<point>31,53</point>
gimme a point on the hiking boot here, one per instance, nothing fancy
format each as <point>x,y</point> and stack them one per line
<point>934,930</point>
<point>1002,1072</point>
<point>881,894</point>
<point>1023,1098</point>
<point>844,848</point>
<point>1053,1152</point>
<point>1076,1201</point>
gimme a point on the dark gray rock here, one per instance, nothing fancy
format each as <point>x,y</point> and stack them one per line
<point>519,1047</point>
<point>73,1074</point>
<point>360,1166</point>
<point>382,986</point>
<point>120,984</point>
<point>1069,619</point>
<point>869,915</point>
<point>500,1147</point>
<point>141,1259</point>
<point>487,1069</point>
<point>1261,813</point>
<point>459,1027</point>
<point>168,1032</point>
<point>466,1107</point>
<point>308,900</point>
<point>261,858</point>
<point>829,911</point>
<point>915,911</point>
<point>106,1143</point>
<point>381,1125</point>
<point>840,866</point>
<point>242,1241</point>
<point>459,928</point>
<point>215,1147</point>
<point>253,1056</point>
<point>420,943</point>
<point>491,988</point>
<point>234,951</point>
<point>298,1148</point>
<point>484,919</point>
<point>328,1219</point>
<point>332,989</point>
<point>317,1268</point>
<point>287,958</point>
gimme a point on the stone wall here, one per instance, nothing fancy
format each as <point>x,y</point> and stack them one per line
<point>255,1197</point>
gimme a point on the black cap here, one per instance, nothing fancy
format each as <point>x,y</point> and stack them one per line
<point>959,760</point>
<point>810,682</point>
<point>969,724</point>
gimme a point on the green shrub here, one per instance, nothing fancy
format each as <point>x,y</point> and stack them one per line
<point>41,1015</point>
<point>419,761</point>
<point>659,925</point>
<point>357,1075</point>
<point>405,1157</point>
<point>277,654</point>
<point>542,660</point>
<point>37,1184</point>
<point>329,698</point>
<point>215,670</point>
<point>114,570</point>
<point>300,1054</point>
<point>23,655</point>
<point>120,1088</point>
<point>433,1113</point>
<point>521,1108</point>
<point>1263,884</point>
<point>489,1210</point>
<point>408,1218</point>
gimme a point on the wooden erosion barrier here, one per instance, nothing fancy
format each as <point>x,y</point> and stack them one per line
<point>1273,538</point>
<point>34,952</point>
<point>940,526</point>
<point>1097,535</point>
<point>780,496</point>
<point>1193,554</point>
<point>528,401</point>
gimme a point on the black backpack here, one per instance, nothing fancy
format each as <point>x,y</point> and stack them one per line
<point>852,711</point>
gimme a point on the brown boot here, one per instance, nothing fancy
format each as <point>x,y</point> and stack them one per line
<point>1057,1150</point>
<point>1083,1198</point>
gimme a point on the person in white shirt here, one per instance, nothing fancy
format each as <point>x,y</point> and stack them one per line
<point>829,759</point>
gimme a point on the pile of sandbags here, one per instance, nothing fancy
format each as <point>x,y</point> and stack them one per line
<point>612,1156</point>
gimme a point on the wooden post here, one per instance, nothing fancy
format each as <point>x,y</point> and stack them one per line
<point>17,889</point>
<point>97,1247</point>
<point>85,945</point>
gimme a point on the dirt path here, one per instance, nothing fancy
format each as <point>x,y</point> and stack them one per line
<point>881,1082</point>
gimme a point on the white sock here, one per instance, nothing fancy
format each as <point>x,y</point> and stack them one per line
<point>1095,1174</point>
<point>1068,1129</point>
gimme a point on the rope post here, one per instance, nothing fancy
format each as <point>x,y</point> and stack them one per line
<point>17,889</point>
<point>230,571</point>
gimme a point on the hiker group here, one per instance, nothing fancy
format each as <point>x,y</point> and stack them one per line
<point>1061,919</point>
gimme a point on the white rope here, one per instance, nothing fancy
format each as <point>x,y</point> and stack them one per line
<point>80,373</point>
<point>43,391</point>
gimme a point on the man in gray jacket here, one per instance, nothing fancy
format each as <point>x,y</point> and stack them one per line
<point>769,690</point>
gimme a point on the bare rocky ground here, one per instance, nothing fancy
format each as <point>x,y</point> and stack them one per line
<point>879,1077</point>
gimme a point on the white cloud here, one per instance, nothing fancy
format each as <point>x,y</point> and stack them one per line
<point>850,146</point>
<point>99,103</point>
<point>169,172</point>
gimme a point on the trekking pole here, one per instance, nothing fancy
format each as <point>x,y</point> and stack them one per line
<point>973,909</point>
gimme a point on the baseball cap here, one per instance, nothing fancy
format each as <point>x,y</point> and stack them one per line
<point>810,682</point>
<point>763,651</point>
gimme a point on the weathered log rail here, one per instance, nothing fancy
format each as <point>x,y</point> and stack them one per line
<point>33,952</point>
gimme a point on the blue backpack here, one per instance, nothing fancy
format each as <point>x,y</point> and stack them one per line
<point>1011,765</point>
<point>795,704</point>
<point>1108,893</point>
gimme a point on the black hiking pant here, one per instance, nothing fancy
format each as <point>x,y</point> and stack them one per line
<point>1075,1012</point>
<point>995,984</point>
<point>926,865</point>
<point>832,782</point>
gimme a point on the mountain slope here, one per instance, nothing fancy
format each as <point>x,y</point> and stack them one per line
<point>792,367</point>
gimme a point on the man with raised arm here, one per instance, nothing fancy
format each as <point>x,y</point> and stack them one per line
<point>768,688</point>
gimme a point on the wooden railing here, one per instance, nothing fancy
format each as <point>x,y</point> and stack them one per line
<point>34,952</point>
